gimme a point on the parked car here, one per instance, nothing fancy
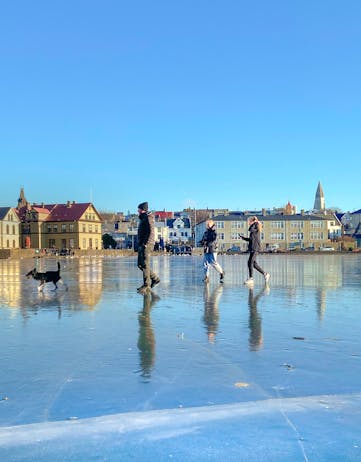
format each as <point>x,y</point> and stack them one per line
<point>234,249</point>
<point>180,250</point>
<point>327,249</point>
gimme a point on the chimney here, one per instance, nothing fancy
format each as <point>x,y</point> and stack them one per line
<point>68,204</point>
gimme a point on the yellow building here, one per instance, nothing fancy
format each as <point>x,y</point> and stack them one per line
<point>9,228</point>
<point>283,232</point>
<point>60,226</point>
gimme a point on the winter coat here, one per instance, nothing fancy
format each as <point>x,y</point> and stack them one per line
<point>146,233</point>
<point>209,240</point>
<point>254,240</point>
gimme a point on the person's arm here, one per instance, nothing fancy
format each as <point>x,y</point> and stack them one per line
<point>147,232</point>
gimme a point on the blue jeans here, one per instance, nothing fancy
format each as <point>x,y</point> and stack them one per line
<point>210,259</point>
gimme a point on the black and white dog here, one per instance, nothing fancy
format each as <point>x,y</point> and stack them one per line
<point>48,276</point>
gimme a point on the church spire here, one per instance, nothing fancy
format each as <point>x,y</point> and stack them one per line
<point>21,201</point>
<point>319,199</point>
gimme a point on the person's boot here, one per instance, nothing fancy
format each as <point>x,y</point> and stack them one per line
<point>155,282</point>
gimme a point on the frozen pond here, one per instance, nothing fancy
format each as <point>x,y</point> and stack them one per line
<point>192,372</point>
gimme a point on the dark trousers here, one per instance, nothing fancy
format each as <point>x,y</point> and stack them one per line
<point>144,266</point>
<point>253,264</point>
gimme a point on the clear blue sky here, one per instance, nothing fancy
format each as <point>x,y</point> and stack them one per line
<point>224,103</point>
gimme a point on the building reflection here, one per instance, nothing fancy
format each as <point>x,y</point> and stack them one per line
<point>146,337</point>
<point>90,281</point>
<point>211,311</point>
<point>255,319</point>
<point>21,294</point>
<point>10,286</point>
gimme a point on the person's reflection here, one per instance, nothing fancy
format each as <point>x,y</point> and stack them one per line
<point>146,338</point>
<point>255,320</point>
<point>211,313</point>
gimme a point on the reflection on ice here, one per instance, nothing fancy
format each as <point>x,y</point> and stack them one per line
<point>189,342</point>
<point>146,339</point>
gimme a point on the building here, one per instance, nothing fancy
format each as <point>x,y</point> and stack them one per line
<point>180,231</point>
<point>59,226</point>
<point>285,232</point>
<point>9,228</point>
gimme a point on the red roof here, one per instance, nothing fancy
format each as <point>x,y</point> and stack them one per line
<point>71,211</point>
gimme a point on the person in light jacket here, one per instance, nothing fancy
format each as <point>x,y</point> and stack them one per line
<point>254,247</point>
<point>210,245</point>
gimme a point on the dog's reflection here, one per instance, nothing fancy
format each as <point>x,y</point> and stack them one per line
<point>211,312</point>
<point>146,338</point>
<point>255,320</point>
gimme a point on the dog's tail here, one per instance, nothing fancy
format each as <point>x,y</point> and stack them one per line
<point>59,266</point>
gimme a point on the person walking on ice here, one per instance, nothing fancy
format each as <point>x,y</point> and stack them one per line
<point>146,236</point>
<point>254,246</point>
<point>209,242</point>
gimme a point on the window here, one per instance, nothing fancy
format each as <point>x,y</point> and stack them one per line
<point>55,228</point>
<point>219,224</point>
<point>278,224</point>
<point>220,236</point>
<point>84,243</point>
<point>90,228</point>
<point>237,224</point>
<point>84,229</point>
<point>316,224</point>
<point>71,227</point>
<point>63,228</point>
<point>296,224</point>
<point>316,235</point>
<point>296,236</point>
<point>277,236</point>
<point>14,229</point>
<point>235,237</point>
<point>49,228</point>
<point>7,230</point>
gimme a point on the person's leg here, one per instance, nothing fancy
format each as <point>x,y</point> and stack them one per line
<point>206,266</point>
<point>251,258</point>
<point>256,265</point>
<point>260,270</point>
<point>214,263</point>
<point>146,270</point>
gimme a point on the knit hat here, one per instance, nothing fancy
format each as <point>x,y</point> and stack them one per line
<point>143,206</point>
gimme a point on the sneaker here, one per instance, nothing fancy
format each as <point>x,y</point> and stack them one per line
<point>221,279</point>
<point>249,281</point>
<point>266,277</point>
<point>155,282</point>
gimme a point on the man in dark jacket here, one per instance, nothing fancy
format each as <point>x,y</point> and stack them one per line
<point>210,244</point>
<point>146,238</point>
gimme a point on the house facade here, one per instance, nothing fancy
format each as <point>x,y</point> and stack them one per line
<point>60,226</point>
<point>179,230</point>
<point>9,228</point>
<point>285,232</point>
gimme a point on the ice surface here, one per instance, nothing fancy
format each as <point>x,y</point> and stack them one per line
<point>190,372</point>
